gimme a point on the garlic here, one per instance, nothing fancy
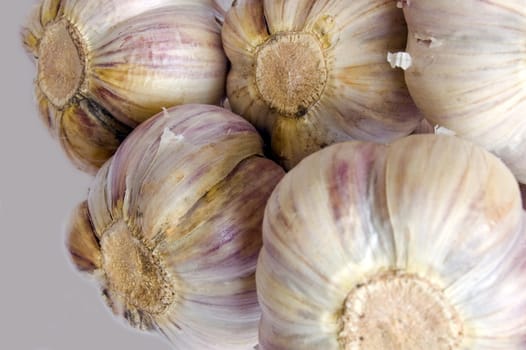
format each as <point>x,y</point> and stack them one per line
<point>467,71</point>
<point>171,228</point>
<point>104,66</point>
<point>416,245</point>
<point>310,73</point>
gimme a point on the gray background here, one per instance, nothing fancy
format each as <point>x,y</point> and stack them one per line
<point>45,304</point>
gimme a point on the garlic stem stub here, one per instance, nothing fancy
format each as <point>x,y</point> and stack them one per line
<point>105,66</point>
<point>171,228</point>
<point>468,71</point>
<point>311,73</point>
<point>420,244</point>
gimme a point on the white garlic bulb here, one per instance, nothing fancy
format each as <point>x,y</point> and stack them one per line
<point>467,71</point>
<point>171,228</point>
<point>104,66</point>
<point>313,72</point>
<point>417,245</point>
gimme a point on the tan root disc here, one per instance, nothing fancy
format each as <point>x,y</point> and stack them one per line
<point>291,72</point>
<point>399,312</point>
<point>133,271</point>
<point>61,63</point>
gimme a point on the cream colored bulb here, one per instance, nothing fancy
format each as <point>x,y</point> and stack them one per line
<point>105,66</point>
<point>468,71</point>
<point>420,244</point>
<point>313,72</point>
<point>171,228</point>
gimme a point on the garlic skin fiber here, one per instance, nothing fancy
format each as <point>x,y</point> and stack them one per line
<point>171,228</point>
<point>468,71</point>
<point>104,66</point>
<point>416,245</point>
<point>310,73</point>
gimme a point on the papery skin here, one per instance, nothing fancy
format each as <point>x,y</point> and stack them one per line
<point>363,98</point>
<point>191,184</point>
<point>140,56</point>
<point>468,71</point>
<point>431,205</point>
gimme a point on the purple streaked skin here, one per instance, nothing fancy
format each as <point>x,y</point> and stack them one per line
<point>189,186</point>
<point>127,59</point>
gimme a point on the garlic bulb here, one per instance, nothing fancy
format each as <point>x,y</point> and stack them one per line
<point>468,69</point>
<point>171,228</point>
<point>417,245</point>
<point>104,66</point>
<point>313,72</point>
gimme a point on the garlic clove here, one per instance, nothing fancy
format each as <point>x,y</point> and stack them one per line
<point>296,148</point>
<point>150,175</point>
<point>245,29</point>
<point>89,133</point>
<point>177,215</point>
<point>49,115</point>
<point>484,197</point>
<point>290,60</point>
<point>33,31</point>
<point>95,18</point>
<point>83,246</point>
<point>127,59</point>
<point>242,42</point>
<point>150,61</point>
<point>49,11</point>
<point>467,72</point>
<point>382,247</point>
<point>102,206</point>
<point>284,16</point>
<point>216,282</point>
<point>305,219</point>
